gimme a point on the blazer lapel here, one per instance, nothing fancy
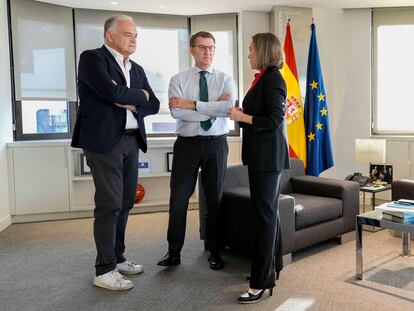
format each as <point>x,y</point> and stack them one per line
<point>246,101</point>
<point>133,76</point>
<point>113,62</point>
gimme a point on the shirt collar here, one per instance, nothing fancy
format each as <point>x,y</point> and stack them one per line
<point>196,70</point>
<point>118,56</point>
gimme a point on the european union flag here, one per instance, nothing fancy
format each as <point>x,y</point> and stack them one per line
<point>318,139</point>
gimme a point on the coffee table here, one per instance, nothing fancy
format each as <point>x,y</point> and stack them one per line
<point>374,218</point>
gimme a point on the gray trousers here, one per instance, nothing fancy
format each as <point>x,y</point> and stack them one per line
<point>190,154</point>
<point>115,175</point>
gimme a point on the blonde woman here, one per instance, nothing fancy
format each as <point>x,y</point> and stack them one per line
<point>265,153</point>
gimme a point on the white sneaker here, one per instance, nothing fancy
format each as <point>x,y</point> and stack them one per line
<point>128,267</point>
<point>113,280</point>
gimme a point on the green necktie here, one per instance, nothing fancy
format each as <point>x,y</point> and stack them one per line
<point>205,125</point>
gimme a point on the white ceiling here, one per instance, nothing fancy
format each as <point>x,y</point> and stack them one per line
<point>194,7</point>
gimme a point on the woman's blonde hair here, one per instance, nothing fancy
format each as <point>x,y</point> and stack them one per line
<point>269,51</point>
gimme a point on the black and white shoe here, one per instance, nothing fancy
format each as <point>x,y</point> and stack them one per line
<point>251,297</point>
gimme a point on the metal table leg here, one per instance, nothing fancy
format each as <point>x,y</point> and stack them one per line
<point>406,246</point>
<point>363,202</point>
<point>373,201</point>
<point>359,259</point>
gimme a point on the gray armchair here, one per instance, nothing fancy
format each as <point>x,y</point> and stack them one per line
<point>312,209</point>
<point>403,189</point>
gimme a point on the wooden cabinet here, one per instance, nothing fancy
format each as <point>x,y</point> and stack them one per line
<point>46,181</point>
<point>40,179</point>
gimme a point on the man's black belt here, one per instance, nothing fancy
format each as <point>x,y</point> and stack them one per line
<point>130,132</point>
<point>202,137</point>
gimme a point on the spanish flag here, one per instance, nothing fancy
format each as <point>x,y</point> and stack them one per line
<point>294,107</point>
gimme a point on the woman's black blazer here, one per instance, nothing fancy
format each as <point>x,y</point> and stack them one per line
<point>264,142</point>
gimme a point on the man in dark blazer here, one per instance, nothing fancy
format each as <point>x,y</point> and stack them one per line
<point>114,98</point>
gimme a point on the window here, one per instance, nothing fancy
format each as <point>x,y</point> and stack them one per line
<point>44,117</point>
<point>162,50</point>
<point>44,69</point>
<point>46,38</point>
<point>164,46</point>
<point>393,65</point>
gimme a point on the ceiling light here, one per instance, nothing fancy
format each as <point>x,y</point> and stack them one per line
<point>162,6</point>
<point>113,3</point>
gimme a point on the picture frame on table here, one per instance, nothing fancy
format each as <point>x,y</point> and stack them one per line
<point>84,167</point>
<point>381,173</point>
<point>170,156</point>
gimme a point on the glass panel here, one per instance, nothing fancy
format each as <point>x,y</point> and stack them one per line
<point>42,117</point>
<point>44,61</point>
<point>164,46</point>
<point>162,50</point>
<point>42,69</point>
<point>169,47</point>
<point>223,59</point>
<point>394,82</point>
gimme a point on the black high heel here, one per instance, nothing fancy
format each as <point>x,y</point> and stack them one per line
<point>253,298</point>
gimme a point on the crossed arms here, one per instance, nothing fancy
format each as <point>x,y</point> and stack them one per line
<point>187,110</point>
<point>93,73</point>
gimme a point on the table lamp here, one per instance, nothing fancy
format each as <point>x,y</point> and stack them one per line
<point>372,151</point>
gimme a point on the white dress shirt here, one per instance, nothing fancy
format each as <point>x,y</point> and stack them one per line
<point>131,121</point>
<point>186,85</point>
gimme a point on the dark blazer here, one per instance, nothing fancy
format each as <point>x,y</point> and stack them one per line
<point>264,142</point>
<point>100,124</point>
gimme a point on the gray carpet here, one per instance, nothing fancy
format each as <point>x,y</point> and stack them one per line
<point>49,266</point>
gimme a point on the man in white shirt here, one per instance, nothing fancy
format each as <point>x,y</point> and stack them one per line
<point>115,96</point>
<point>200,99</point>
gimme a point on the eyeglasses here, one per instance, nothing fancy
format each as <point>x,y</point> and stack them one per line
<point>210,48</point>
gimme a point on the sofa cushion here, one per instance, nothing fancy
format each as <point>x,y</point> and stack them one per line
<point>311,210</point>
<point>244,193</point>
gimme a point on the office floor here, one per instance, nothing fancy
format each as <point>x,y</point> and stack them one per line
<point>49,266</point>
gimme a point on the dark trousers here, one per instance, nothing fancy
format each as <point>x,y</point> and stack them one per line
<point>190,154</point>
<point>264,193</point>
<point>115,176</point>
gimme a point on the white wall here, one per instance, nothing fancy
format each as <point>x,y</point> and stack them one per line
<point>344,41</point>
<point>5,117</point>
<point>300,19</point>
<point>250,23</point>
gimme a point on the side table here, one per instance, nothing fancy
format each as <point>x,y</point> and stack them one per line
<point>373,190</point>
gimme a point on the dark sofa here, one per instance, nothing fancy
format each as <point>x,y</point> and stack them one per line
<point>312,209</point>
<point>403,189</point>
